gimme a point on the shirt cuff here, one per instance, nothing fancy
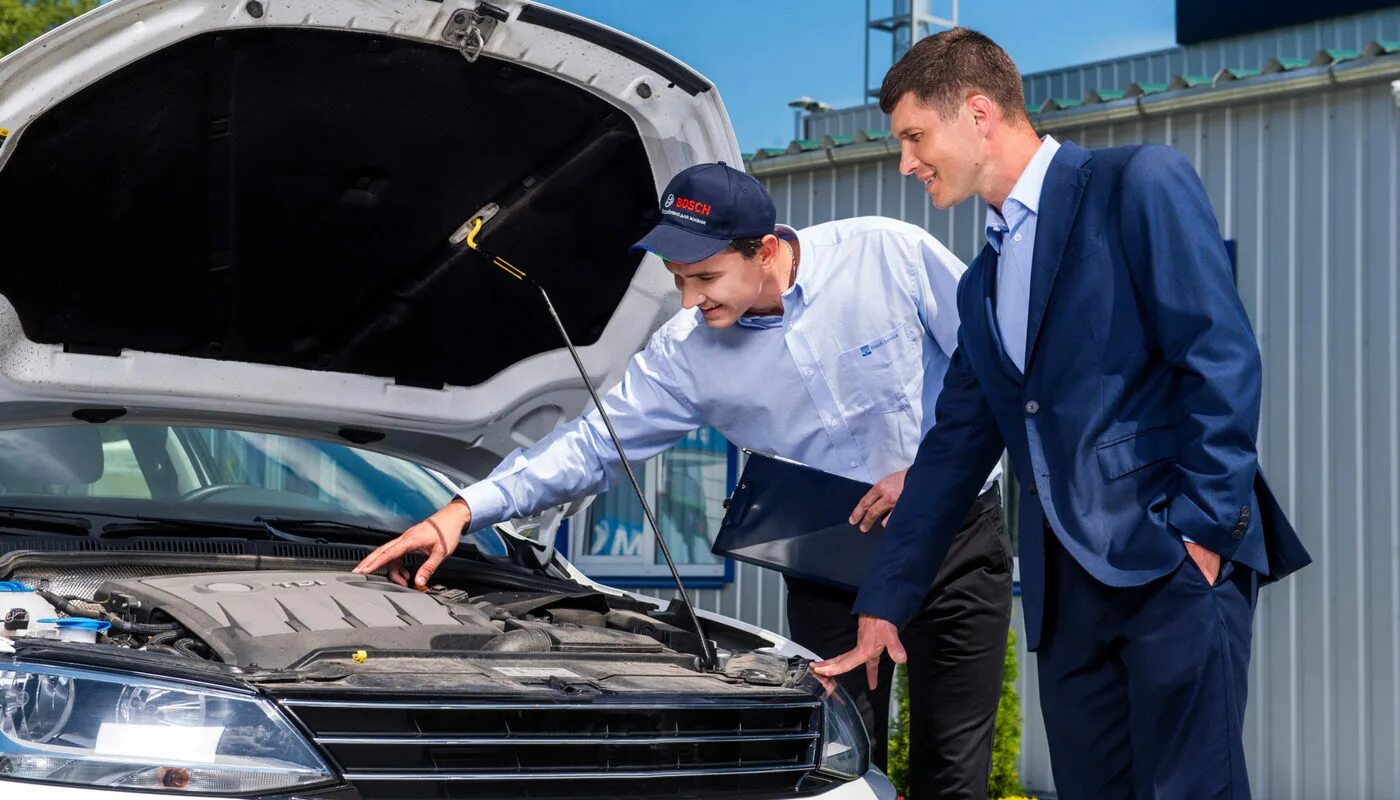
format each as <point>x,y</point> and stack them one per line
<point>487,503</point>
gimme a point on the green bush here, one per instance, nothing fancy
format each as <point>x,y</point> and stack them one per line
<point>22,20</point>
<point>1006,741</point>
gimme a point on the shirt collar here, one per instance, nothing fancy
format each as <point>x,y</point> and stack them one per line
<point>798,292</point>
<point>1024,199</point>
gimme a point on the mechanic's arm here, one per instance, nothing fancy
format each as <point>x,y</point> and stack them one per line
<point>650,413</point>
<point>949,470</point>
<point>1204,333</point>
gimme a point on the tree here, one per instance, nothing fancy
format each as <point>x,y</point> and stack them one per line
<point>22,20</point>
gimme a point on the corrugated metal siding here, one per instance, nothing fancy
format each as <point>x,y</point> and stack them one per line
<point>1249,52</point>
<point>1309,188</point>
<point>757,596</point>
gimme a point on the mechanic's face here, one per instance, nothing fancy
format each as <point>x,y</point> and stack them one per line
<point>726,286</point>
<point>946,154</point>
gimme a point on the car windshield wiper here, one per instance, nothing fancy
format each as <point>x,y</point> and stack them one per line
<point>145,526</point>
<point>28,521</point>
<point>333,525</point>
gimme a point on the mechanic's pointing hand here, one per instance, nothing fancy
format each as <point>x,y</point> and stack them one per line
<point>878,502</point>
<point>436,537</point>
<point>873,637</point>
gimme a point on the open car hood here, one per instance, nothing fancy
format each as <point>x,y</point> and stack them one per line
<point>239,214</point>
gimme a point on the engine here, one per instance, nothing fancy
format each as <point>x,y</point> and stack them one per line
<point>288,619</point>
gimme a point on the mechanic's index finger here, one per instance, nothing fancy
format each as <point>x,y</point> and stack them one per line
<point>387,552</point>
<point>872,674</point>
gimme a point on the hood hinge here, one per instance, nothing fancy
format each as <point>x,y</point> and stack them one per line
<point>470,30</point>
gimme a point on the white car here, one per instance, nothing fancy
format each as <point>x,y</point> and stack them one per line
<point>242,341</point>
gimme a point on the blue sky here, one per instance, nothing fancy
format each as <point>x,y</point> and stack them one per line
<point>763,53</point>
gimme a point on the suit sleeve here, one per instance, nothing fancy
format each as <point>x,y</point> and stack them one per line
<point>948,471</point>
<point>648,408</point>
<point>1186,286</point>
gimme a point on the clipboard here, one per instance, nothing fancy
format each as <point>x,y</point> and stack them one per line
<point>792,518</point>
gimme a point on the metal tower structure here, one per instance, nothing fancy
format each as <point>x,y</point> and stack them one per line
<point>905,22</point>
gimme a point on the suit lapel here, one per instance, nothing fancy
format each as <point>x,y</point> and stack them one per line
<point>1059,205</point>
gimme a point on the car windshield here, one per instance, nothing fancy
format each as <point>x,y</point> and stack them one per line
<point>193,472</point>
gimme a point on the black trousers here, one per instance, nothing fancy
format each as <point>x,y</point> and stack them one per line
<point>956,647</point>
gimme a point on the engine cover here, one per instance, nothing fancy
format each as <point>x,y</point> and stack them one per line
<point>276,619</point>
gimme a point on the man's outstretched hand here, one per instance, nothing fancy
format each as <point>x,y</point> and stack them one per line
<point>873,637</point>
<point>436,537</point>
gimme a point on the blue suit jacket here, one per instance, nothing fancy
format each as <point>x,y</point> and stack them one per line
<point>1135,421</point>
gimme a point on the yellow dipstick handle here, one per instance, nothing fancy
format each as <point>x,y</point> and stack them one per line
<point>509,268</point>
<point>359,657</point>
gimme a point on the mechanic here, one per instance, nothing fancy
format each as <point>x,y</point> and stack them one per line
<point>827,346</point>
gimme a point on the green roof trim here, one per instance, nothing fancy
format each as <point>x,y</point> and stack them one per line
<point>1332,55</point>
<point>804,145</point>
<point>1060,103</point>
<point>1104,95</point>
<point>1031,108</point>
<point>770,152</point>
<point>873,134</point>
<point>1287,64</point>
<point>1235,74</point>
<point>1189,81</point>
<point>837,140</point>
<point>1139,88</point>
<point>746,156</point>
<point>1382,48</point>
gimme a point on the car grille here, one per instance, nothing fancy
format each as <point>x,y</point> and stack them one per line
<point>700,748</point>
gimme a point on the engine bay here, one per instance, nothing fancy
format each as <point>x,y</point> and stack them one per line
<point>313,624</point>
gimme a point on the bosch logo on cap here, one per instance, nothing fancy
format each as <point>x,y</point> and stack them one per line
<point>693,206</point>
<point>670,200</point>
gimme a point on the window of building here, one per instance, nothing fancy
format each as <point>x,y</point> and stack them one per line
<point>686,487</point>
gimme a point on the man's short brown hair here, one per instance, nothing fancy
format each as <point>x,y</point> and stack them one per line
<point>944,69</point>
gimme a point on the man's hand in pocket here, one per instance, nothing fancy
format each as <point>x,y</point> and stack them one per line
<point>1207,561</point>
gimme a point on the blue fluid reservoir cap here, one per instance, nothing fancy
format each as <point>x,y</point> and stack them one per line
<point>78,623</point>
<point>13,586</point>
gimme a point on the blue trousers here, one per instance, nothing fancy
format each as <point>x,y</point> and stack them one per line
<point>1143,688</point>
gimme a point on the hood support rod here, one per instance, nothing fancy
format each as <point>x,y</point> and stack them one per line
<point>707,657</point>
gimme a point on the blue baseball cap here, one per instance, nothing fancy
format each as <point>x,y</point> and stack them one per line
<point>706,207</point>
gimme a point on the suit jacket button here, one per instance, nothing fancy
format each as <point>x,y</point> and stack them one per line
<point>1032,489</point>
<point>1237,534</point>
<point>1032,407</point>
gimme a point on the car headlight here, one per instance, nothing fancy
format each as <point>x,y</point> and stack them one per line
<point>845,744</point>
<point>93,728</point>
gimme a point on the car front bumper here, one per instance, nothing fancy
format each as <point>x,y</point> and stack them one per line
<point>874,786</point>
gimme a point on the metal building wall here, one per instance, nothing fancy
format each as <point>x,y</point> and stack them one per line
<point>1243,52</point>
<point>756,596</point>
<point>1308,186</point>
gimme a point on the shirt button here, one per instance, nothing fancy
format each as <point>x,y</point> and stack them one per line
<point>831,422</point>
<point>854,464</point>
<point>1032,407</point>
<point>807,372</point>
<point>1017,237</point>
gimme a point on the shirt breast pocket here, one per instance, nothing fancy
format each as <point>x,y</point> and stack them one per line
<point>871,376</point>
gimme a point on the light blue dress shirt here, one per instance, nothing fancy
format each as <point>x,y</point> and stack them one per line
<point>845,380</point>
<point>1012,234</point>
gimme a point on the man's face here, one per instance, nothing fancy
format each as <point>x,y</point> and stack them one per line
<point>946,154</point>
<point>725,286</point>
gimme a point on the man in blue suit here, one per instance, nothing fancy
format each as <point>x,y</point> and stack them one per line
<point>1104,346</point>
